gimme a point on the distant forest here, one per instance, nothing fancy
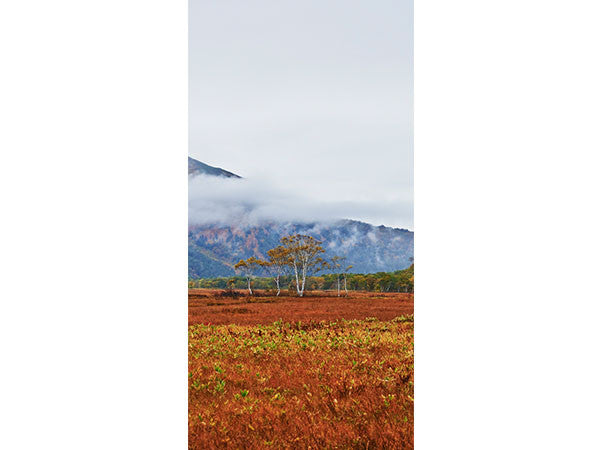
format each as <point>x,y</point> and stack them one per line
<point>398,281</point>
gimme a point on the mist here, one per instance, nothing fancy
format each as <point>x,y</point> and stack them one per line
<point>310,102</point>
<point>251,201</point>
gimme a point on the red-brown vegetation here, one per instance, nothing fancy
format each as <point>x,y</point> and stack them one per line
<point>209,306</point>
<point>317,372</point>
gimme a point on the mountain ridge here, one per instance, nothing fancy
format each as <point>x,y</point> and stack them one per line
<point>196,167</point>
<point>214,249</point>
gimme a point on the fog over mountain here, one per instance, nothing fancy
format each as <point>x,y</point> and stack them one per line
<point>309,100</point>
<point>231,218</point>
<point>222,200</point>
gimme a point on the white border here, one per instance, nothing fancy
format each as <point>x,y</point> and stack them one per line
<point>93,327</point>
<point>92,249</point>
<point>507,118</point>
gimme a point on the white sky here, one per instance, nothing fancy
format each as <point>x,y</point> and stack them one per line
<point>311,96</point>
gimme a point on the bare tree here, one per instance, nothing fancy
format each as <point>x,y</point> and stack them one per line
<point>304,258</point>
<point>278,264</point>
<point>338,264</point>
<point>335,266</point>
<point>345,272</point>
<point>248,268</point>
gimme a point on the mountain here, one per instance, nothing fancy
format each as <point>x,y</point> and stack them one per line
<point>214,249</point>
<point>198,168</point>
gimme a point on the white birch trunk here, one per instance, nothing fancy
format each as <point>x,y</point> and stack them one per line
<point>303,279</point>
<point>297,279</point>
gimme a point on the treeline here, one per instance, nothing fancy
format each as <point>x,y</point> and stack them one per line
<point>295,265</point>
<point>298,256</point>
<point>398,281</point>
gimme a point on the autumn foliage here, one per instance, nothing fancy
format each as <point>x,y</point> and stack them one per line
<point>318,384</point>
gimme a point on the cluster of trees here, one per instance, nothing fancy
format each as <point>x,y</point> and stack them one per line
<point>398,281</point>
<point>299,256</point>
<point>296,262</point>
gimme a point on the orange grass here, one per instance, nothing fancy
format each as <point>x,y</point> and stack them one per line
<point>208,306</point>
<point>317,385</point>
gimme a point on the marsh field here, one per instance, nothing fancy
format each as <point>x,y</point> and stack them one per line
<point>318,372</point>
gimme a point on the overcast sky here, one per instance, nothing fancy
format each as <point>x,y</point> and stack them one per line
<point>310,96</point>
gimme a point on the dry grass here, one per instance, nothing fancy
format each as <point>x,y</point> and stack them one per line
<point>209,307</point>
<point>332,383</point>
